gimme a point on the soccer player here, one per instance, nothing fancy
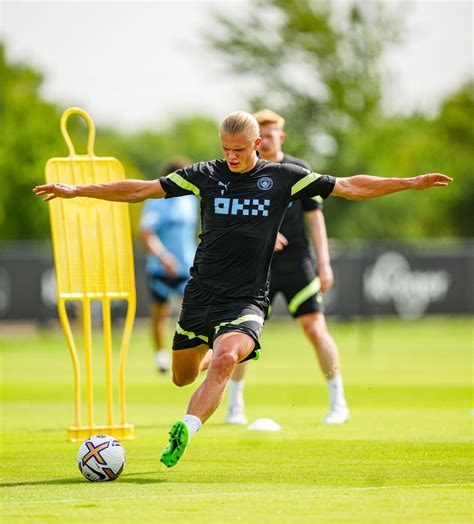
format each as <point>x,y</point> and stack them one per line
<point>292,273</point>
<point>243,200</point>
<point>168,231</point>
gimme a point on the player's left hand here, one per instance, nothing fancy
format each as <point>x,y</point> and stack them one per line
<point>326,277</point>
<point>55,191</point>
<point>431,180</point>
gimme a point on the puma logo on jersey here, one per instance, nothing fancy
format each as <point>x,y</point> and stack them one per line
<point>245,207</point>
<point>225,186</point>
<point>221,184</point>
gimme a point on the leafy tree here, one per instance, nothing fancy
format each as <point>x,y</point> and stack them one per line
<point>407,146</point>
<point>195,138</point>
<point>314,61</point>
<point>29,136</point>
<point>455,138</point>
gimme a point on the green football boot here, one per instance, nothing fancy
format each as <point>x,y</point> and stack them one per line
<point>179,438</point>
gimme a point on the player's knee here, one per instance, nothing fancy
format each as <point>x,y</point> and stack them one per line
<point>225,361</point>
<point>316,332</point>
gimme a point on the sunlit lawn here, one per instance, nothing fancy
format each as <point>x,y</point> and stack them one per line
<point>405,455</point>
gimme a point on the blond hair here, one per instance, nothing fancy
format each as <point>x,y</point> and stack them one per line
<point>267,117</point>
<point>240,122</point>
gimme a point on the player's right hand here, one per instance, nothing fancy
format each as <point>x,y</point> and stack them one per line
<point>55,191</point>
<point>326,277</point>
<point>281,242</point>
<point>170,265</point>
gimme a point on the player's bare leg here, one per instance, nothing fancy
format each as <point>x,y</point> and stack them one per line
<point>159,319</point>
<point>189,363</point>
<point>229,349</point>
<point>236,404</point>
<point>315,328</point>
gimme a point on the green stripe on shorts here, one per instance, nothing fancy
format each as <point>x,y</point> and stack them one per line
<point>311,289</point>
<point>190,334</point>
<point>241,320</point>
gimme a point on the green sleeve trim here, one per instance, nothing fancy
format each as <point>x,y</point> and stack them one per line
<point>311,289</point>
<point>318,199</point>
<point>301,184</point>
<point>190,334</point>
<point>184,184</point>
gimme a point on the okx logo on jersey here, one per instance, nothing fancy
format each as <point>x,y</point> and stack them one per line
<point>246,207</point>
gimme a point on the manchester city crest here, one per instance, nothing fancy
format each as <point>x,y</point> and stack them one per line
<point>265,183</point>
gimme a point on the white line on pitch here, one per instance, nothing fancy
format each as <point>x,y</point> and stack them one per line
<point>238,493</point>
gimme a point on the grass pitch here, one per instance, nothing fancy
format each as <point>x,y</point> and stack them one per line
<point>405,455</point>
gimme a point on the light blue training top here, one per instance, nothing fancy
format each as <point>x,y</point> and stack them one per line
<point>174,222</point>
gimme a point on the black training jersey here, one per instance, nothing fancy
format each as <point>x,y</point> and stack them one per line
<point>293,226</point>
<point>241,214</point>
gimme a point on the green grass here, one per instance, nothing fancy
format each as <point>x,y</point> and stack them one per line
<point>405,455</point>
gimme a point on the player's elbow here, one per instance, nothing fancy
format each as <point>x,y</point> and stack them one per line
<point>139,195</point>
<point>357,187</point>
<point>142,190</point>
<point>356,196</point>
<point>347,190</point>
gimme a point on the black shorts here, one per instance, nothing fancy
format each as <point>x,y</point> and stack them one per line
<point>161,287</point>
<point>205,316</point>
<point>296,279</point>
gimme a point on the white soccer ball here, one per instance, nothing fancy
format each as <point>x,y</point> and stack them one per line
<point>101,458</point>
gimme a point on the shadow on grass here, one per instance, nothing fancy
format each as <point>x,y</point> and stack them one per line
<point>131,478</point>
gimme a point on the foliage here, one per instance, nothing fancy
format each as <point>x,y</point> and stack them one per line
<point>454,143</point>
<point>31,135</point>
<point>312,69</point>
<point>195,138</point>
<point>315,61</point>
<point>394,147</point>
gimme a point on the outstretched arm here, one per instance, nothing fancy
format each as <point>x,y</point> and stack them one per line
<point>360,187</point>
<point>121,191</point>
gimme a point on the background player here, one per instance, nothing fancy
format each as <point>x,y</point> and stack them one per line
<point>243,201</point>
<point>168,231</point>
<point>292,273</point>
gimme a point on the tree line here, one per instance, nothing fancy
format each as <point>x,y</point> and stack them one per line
<point>320,71</point>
